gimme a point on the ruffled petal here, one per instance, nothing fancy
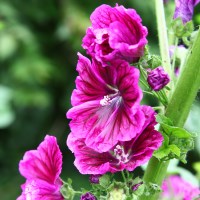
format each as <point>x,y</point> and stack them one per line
<point>89,85</point>
<point>38,189</point>
<point>45,163</point>
<point>103,16</point>
<point>143,147</point>
<point>123,155</point>
<point>116,33</point>
<point>120,125</point>
<point>88,161</point>
<point>184,9</point>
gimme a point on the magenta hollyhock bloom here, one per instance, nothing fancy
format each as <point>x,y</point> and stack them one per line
<point>174,187</point>
<point>184,9</point>
<point>105,104</point>
<point>157,78</point>
<point>124,155</point>
<point>42,168</point>
<point>116,33</point>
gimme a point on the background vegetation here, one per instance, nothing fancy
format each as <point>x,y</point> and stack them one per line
<point>39,41</point>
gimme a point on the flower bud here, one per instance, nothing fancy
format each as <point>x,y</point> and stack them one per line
<point>136,186</point>
<point>157,78</point>
<point>88,196</point>
<point>94,178</point>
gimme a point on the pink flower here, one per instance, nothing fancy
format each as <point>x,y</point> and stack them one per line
<point>116,33</point>
<point>42,168</point>
<point>184,9</point>
<point>106,104</point>
<point>157,78</point>
<point>124,155</point>
<point>175,186</point>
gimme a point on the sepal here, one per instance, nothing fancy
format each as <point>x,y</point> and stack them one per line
<point>180,29</point>
<point>67,190</point>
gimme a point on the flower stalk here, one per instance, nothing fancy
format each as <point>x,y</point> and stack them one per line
<point>179,103</point>
<point>162,35</point>
<point>186,88</point>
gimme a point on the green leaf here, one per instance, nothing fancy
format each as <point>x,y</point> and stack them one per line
<point>161,119</point>
<point>180,29</point>
<point>140,190</point>
<point>154,61</point>
<point>188,28</point>
<point>176,131</point>
<point>170,151</point>
<point>150,60</point>
<point>175,150</point>
<point>177,141</point>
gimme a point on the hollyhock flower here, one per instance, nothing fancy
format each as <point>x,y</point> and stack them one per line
<point>184,9</point>
<point>116,33</point>
<point>106,103</point>
<point>175,187</point>
<point>124,155</point>
<point>88,196</point>
<point>42,168</point>
<point>157,78</point>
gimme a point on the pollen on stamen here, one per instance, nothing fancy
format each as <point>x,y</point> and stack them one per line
<point>120,154</point>
<point>105,101</point>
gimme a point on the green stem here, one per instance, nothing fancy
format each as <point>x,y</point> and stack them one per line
<point>78,192</point>
<point>182,97</point>
<point>123,176</point>
<point>162,34</point>
<point>177,110</point>
<point>174,56</point>
<point>187,87</point>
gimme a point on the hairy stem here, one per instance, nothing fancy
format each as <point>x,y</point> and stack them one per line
<point>162,34</point>
<point>178,108</point>
<point>187,87</point>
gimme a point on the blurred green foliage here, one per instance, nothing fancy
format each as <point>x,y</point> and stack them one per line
<point>39,41</point>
